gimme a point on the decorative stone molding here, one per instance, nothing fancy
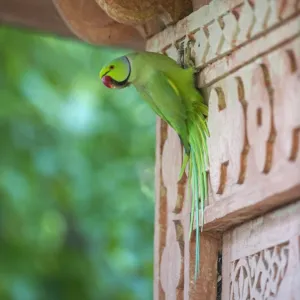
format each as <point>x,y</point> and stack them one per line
<point>248,55</point>
<point>223,26</point>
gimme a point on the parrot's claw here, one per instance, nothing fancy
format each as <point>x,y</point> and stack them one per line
<point>185,57</point>
<point>188,57</point>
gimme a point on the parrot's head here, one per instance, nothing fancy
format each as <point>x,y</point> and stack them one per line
<point>116,74</point>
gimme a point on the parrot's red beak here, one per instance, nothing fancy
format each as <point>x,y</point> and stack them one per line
<point>107,81</point>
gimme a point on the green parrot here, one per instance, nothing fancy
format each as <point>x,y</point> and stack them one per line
<point>170,91</point>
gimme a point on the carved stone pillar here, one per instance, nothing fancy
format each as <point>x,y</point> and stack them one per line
<point>248,53</point>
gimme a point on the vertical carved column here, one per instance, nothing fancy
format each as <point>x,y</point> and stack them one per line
<point>248,54</point>
<point>174,255</point>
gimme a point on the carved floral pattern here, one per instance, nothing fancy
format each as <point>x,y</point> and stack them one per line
<point>258,276</point>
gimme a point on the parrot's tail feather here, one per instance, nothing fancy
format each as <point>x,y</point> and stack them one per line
<point>184,164</point>
<point>198,133</point>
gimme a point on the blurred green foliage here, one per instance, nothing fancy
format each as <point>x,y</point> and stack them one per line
<point>76,175</point>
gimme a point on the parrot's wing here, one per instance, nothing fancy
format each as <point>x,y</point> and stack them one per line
<point>164,98</point>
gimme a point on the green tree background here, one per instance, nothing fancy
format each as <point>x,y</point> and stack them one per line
<point>76,175</point>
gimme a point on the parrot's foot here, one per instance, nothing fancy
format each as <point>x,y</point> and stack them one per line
<point>185,57</point>
<point>189,61</point>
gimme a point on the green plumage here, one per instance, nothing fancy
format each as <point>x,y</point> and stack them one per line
<point>170,92</point>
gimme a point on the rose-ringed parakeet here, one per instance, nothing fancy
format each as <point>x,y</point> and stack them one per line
<point>171,93</point>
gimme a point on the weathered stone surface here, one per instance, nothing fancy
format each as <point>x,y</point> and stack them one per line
<point>248,53</point>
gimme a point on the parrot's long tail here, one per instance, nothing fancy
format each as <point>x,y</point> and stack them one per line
<point>198,162</point>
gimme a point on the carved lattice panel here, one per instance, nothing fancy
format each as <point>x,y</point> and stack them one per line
<point>248,54</point>
<point>261,258</point>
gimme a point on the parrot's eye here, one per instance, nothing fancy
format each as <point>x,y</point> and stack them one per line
<point>111,67</point>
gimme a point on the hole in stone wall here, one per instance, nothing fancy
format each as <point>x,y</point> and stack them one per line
<point>180,239</point>
<point>219,276</point>
<point>259,117</point>
<point>221,97</point>
<point>181,185</point>
<point>293,61</point>
<point>246,147</point>
<point>272,136</point>
<point>295,144</point>
<point>223,177</point>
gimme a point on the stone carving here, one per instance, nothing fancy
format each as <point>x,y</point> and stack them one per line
<point>258,276</point>
<point>248,53</point>
<point>261,258</point>
<point>254,125</point>
<point>222,26</point>
<point>250,128</point>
